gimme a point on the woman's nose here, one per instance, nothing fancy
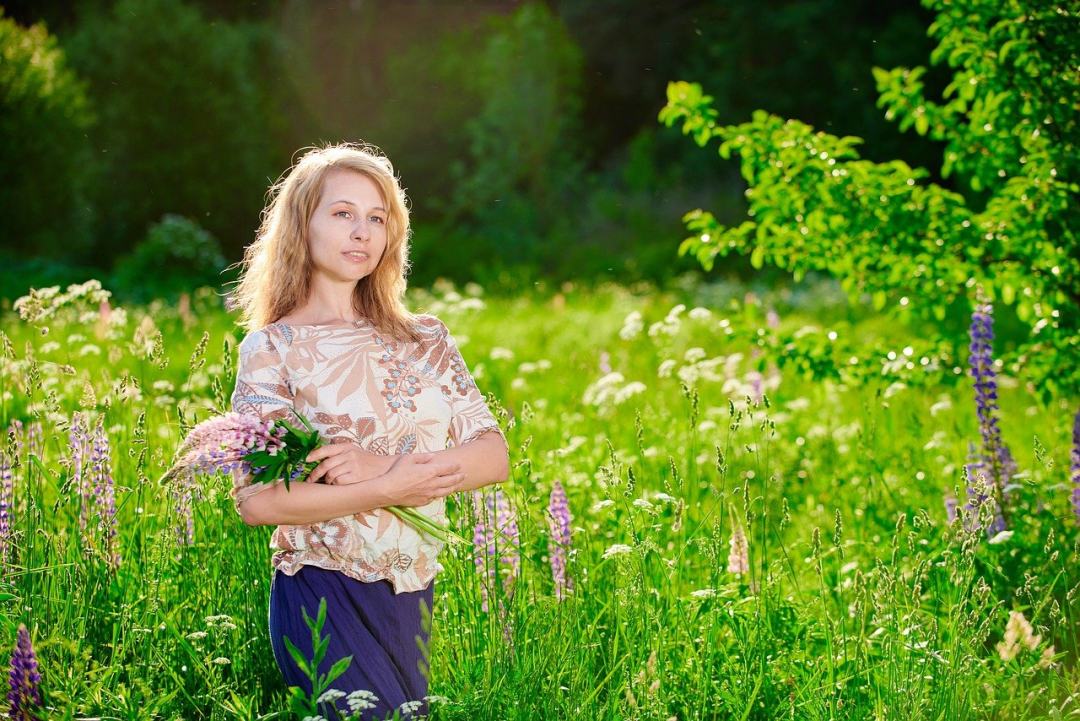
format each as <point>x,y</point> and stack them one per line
<point>362,231</point>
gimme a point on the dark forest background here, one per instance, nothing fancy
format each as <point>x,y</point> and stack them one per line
<point>138,145</point>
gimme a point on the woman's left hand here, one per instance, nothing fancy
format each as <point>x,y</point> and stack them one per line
<point>343,462</point>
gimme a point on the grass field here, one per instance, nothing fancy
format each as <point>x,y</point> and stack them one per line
<point>671,433</point>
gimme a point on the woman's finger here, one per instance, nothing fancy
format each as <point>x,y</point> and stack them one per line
<point>327,451</point>
<point>326,466</point>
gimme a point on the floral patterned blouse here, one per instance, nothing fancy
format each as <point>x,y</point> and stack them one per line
<point>388,396</point>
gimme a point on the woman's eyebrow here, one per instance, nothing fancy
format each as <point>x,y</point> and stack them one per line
<point>347,202</point>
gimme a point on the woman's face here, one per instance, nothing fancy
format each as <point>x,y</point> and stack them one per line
<point>347,231</point>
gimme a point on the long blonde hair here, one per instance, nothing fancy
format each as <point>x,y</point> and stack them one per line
<point>276,268</point>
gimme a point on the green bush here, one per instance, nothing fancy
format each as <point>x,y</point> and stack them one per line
<point>44,153</point>
<point>177,256</point>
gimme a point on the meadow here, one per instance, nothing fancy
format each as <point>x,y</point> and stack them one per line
<point>747,539</point>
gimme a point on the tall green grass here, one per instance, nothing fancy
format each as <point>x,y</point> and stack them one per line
<point>861,600</point>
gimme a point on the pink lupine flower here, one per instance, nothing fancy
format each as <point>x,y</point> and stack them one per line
<point>559,545</point>
<point>220,444</point>
<point>739,555</point>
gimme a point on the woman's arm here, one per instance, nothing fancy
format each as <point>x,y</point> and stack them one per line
<point>306,503</point>
<point>484,460</point>
<point>418,479</point>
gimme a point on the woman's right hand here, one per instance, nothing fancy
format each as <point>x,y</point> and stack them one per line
<point>416,479</point>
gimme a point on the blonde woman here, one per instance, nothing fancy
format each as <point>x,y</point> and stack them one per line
<point>320,294</point>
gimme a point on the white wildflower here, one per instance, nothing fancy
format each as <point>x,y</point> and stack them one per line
<point>222,661</point>
<point>632,326</point>
<point>500,353</point>
<point>699,313</point>
<point>617,550</point>
<point>628,391</point>
<point>410,707</point>
<point>703,593</point>
<point>330,695</point>
<point>601,505</point>
<point>694,354</point>
<point>664,371</point>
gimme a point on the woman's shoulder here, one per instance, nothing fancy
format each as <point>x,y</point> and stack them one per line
<point>266,338</point>
<point>430,325</point>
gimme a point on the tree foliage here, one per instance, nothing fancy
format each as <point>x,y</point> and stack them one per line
<point>44,156</point>
<point>1009,127</point>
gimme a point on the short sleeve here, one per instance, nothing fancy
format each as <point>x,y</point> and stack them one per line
<point>470,416</point>
<point>262,389</point>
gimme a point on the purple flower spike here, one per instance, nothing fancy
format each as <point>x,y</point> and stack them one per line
<point>105,493</point>
<point>495,531</point>
<point>994,461</point>
<point>1074,467</point>
<point>24,698</point>
<point>559,545</point>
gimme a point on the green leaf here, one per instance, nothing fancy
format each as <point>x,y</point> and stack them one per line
<point>297,656</point>
<point>338,668</point>
<point>879,299</point>
<point>757,257</point>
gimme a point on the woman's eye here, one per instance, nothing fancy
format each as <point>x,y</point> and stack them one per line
<point>375,217</point>
<point>342,211</point>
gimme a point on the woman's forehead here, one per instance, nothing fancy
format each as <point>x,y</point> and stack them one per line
<point>352,187</point>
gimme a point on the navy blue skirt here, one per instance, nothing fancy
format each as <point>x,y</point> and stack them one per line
<point>381,630</point>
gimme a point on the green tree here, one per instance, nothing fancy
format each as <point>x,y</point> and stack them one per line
<point>44,153</point>
<point>184,124</point>
<point>1009,127</point>
<point>516,191</point>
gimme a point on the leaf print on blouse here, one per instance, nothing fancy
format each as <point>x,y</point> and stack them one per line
<point>392,558</point>
<point>332,536</point>
<point>360,429</point>
<point>433,354</point>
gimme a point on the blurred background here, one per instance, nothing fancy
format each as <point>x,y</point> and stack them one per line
<point>139,137</point>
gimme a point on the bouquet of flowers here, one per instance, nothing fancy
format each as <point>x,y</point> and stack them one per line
<point>270,451</point>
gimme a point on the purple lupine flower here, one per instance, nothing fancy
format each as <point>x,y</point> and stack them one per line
<point>1074,467</point>
<point>104,492</point>
<point>495,530</point>
<point>24,698</point>
<point>483,538</point>
<point>995,459</point>
<point>559,544</point>
<point>7,494</point>
<point>507,529</point>
<point>772,319</point>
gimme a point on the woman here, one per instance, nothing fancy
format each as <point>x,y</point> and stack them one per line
<point>320,293</point>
